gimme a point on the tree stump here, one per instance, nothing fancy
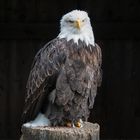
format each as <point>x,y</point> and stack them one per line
<point>89,131</point>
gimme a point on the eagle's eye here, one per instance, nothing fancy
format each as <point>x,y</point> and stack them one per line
<point>70,21</point>
<point>83,20</point>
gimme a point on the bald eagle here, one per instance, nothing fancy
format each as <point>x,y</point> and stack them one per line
<point>64,77</point>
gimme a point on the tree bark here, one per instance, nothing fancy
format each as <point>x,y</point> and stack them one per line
<point>89,131</point>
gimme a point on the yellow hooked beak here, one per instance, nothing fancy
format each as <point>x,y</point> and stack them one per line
<point>78,24</point>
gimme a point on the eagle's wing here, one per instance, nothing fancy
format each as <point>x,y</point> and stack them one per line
<point>97,76</point>
<point>47,63</point>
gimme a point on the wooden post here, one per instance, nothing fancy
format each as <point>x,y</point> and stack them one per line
<point>89,131</point>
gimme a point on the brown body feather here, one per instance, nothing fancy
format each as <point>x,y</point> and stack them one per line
<point>63,81</point>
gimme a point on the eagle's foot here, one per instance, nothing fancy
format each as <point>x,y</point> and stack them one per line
<point>70,124</point>
<point>79,123</point>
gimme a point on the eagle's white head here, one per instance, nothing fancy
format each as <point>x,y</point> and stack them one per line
<point>76,25</point>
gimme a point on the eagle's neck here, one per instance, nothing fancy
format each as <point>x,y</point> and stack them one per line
<point>85,36</point>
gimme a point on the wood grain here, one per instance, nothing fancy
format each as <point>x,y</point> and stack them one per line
<point>89,131</point>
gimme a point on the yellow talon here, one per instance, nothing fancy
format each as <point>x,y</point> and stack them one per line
<point>68,124</point>
<point>78,124</point>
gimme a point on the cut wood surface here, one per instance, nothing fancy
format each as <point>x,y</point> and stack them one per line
<point>89,131</point>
